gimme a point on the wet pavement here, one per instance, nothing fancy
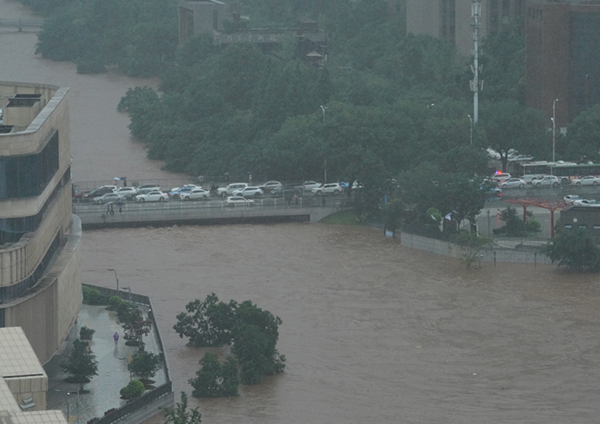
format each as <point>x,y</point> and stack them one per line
<point>102,392</point>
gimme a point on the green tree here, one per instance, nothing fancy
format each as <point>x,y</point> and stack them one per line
<point>144,365</point>
<point>181,415</point>
<point>392,214</point>
<point>134,389</point>
<point>472,246</point>
<point>575,250</point>
<point>508,125</point>
<point>81,364</point>
<point>255,338</point>
<point>135,327</point>
<point>583,136</point>
<point>207,323</point>
<point>214,379</point>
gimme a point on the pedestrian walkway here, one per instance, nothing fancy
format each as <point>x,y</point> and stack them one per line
<point>102,393</point>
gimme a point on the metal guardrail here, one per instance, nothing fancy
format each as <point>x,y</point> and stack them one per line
<point>21,23</point>
<point>178,211</point>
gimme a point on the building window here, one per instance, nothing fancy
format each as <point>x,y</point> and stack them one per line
<point>28,176</point>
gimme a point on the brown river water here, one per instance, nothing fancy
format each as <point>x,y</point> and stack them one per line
<point>373,332</point>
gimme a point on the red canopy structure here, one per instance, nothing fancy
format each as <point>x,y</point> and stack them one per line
<point>551,205</point>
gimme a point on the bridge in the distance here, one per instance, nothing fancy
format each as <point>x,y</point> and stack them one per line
<point>175,212</point>
<point>21,23</point>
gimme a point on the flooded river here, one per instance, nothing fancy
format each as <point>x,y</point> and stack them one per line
<point>373,332</point>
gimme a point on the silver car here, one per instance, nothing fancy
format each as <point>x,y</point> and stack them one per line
<point>513,183</point>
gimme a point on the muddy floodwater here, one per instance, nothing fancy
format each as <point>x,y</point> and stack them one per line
<point>373,332</point>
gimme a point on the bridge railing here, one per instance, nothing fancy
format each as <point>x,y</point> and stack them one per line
<point>176,210</point>
<point>21,23</point>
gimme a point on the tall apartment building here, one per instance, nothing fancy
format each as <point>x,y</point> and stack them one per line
<point>40,274</point>
<point>450,20</point>
<point>563,57</point>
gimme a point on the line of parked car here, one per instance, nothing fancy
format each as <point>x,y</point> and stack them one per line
<point>505,180</point>
<point>233,194</point>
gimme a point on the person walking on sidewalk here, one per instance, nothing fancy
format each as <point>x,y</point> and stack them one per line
<point>116,337</point>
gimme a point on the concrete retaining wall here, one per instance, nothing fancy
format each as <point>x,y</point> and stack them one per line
<point>445,248</point>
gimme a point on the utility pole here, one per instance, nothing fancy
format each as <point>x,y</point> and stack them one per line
<point>475,84</point>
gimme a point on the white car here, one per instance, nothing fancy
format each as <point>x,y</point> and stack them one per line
<point>238,201</point>
<point>500,177</point>
<point>309,185</point>
<point>330,188</point>
<point>588,180</point>
<point>195,194</point>
<point>585,202</point>
<point>270,185</point>
<point>529,178</point>
<point>546,181</point>
<point>127,192</point>
<point>153,196</point>
<point>513,183</point>
<point>571,198</point>
<point>228,191</point>
<point>108,197</point>
<point>250,191</point>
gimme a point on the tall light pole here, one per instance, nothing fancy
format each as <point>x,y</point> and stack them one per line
<point>323,109</point>
<point>116,276</point>
<point>554,130</point>
<point>475,15</point>
<point>471,133</point>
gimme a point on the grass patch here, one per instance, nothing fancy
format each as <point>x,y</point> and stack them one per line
<point>347,217</point>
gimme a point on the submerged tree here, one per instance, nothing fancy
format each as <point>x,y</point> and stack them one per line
<point>215,379</point>
<point>181,415</point>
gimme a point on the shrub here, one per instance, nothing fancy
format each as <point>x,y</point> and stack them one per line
<point>134,389</point>
<point>114,302</point>
<point>92,296</point>
<point>215,379</point>
<point>86,333</point>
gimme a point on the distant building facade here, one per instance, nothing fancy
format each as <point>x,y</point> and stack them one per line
<point>40,274</point>
<point>212,16</point>
<point>563,57</point>
<point>586,218</point>
<point>450,20</point>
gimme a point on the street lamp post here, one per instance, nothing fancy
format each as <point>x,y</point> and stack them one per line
<point>116,276</point>
<point>323,109</point>
<point>554,130</point>
<point>129,290</point>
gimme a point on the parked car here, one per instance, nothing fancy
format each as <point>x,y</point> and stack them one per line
<point>571,198</point>
<point>309,185</point>
<point>148,187</point>
<point>195,194</point>
<point>97,192</point>
<point>586,202</point>
<point>228,191</point>
<point>238,201</point>
<point>513,183</point>
<point>546,181</point>
<point>250,191</point>
<point>152,196</point>
<point>127,192</point>
<point>108,197</point>
<point>588,180</point>
<point>330,188</point>
<point>176,191</point>
<point>529,178</point>
<point>270,185</point>
<point>288,190</point>
<point>500,177</point>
